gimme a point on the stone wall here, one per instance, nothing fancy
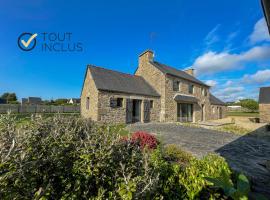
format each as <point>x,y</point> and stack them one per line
<point>154,77</point>
<point>89,90</point>
<point>171,104</point>
<point>264,112</point>
<point>108,114</point>
<point>215,109</point>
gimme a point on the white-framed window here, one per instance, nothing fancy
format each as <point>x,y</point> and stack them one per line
<point>204,92</point>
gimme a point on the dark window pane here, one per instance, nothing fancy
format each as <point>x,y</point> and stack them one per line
<point>176,85</point>
<point>119,102</point>
<point>87,103</point>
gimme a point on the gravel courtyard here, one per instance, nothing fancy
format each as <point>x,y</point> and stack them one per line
<point>247,153</point>
<point>198,141</point>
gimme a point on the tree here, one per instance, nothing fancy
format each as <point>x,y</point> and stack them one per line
<point>10,97</point>
<point>250,104</point>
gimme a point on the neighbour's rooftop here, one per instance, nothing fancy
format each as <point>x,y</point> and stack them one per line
<point>264,97</point>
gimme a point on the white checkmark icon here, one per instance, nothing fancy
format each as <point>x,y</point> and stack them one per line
<point>26,44</point>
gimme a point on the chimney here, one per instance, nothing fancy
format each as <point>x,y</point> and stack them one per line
<point>146,56</point>
<point>190,71</point>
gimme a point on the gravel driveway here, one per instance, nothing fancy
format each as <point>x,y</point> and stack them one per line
<point>246,153</point>
<point>198,141</point>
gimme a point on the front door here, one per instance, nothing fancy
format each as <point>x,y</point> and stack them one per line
<point>136,111</point>
<point>184,112</point>
<point>220,112</point>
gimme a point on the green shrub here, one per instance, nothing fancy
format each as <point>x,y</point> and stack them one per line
<point>224,181</point>
<point>193,177</point>
<point>173,153</point>
<point>168,186</point>
<point>69,158</point>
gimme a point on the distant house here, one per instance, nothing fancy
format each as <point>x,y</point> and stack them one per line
<point>74,101</point>
<point>234,108</point>
<point>264,104</point>
<point>32,100</point>
<point>3,101</point>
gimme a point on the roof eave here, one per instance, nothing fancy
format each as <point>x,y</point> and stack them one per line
<point>123,92</point>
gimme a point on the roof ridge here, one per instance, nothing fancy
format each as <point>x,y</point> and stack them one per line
<point>169,66</point>
<point>184,75</point>
<point>94,66</point>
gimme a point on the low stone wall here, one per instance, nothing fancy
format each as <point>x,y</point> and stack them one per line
<point>17,108</point>
<point>264,113</point>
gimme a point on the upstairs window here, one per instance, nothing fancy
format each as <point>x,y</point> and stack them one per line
<point>176,85</point>
<point>190,89</point>
<point>87,103</point>
<point>204,92</point>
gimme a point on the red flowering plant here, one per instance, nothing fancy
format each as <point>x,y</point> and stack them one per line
<point>144,139</point>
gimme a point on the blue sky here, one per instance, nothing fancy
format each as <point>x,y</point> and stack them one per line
<point>226,42</point>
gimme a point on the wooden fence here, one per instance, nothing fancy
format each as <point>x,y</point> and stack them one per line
<point>17,108</point>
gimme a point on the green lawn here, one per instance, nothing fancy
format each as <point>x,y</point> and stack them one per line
<point>24,118</point>
<point>243,114</point>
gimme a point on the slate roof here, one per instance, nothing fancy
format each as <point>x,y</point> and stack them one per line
<point>215,101</point>
<point>264,97</point>
<point>175,72</point>
<point>109,80</point>
<point>185,98</point>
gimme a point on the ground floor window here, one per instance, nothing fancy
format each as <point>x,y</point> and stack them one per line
<point>184,112</point>
<point>119,102</point>
<point>151,103</point>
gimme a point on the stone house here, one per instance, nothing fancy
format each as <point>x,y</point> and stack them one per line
<point>264,104</point>
<point>74,101</point>
<point>155,93</point>
<point>32,100</point>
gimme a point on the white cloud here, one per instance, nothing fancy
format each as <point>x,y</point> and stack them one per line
<point>230,93</point>
<point>211,83</point>
<point>228,83</point>
<point>213,62</point>
<point>212,36</point>
<point>260,32</point>
<point>232,90</point>
<point>261,76</point>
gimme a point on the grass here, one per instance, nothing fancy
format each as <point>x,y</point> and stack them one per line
<point>188,124</point>
<point>232,128</point>
<point>243,114</point>
<point>25,118</point>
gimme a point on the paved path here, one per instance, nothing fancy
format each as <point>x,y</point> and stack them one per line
<point>243,153</point>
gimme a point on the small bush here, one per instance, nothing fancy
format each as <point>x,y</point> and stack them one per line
<point>173,153</point>
<point>145,139</point>
<point>193,177</point>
